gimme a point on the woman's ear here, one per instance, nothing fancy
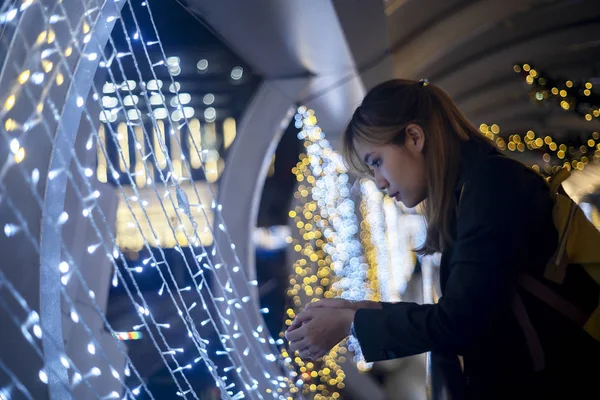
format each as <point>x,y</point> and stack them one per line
<point>415,137</point>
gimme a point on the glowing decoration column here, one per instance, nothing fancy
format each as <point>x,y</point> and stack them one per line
<point>329,260</point>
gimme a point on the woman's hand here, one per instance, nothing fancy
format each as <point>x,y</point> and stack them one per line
<point>335,303</point>
<point>318,329</point>
<point>323,324</point>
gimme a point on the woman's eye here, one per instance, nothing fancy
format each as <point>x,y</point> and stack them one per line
<point>376,163</point>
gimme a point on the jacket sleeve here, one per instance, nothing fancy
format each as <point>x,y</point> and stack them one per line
<point>496,215</point>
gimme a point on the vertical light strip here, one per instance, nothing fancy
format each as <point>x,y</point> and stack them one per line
<point>210,136</point>
<point>229,132</point>
<point>140,171</point>
<point>176,152</point>
<point>160,154</point>
<point>375,218</point>
<point>101,169</point>
<point>396,283</point>
<point>195,137</point>
<point>123,140</point>
<point>212,174</point>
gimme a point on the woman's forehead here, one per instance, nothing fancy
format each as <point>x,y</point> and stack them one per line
<point>363,148</point>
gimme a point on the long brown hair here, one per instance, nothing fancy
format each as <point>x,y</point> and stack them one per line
<point>382,119</point>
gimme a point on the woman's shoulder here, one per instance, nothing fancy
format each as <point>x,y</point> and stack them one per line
<point>500,169</point>
<point>497,179</point>
<point>490,168</point>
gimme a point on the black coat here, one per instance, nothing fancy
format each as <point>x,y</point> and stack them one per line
<point>503,227</point>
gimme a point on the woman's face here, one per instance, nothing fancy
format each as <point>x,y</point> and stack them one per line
<point>399,170</point>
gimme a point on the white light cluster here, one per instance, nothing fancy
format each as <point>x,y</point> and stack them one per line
<point>373,201</point>
<point>331,191</point>
<point>233,326</point>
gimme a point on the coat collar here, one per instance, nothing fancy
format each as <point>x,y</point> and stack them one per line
<point>471,154</point>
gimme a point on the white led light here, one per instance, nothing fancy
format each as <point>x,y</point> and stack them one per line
<point>43,376</point>
<point>184,98</point>
<point>134,114</point>
<point>37,331</point>
<point>237,73</point>
<point>202,65</point>
<point>15,145</point>
<point>128,85</point>
<point>160,113</point>
<point>157,99</point>
<point>173,61</point>
<point>210,114</point>
<point>130,100</point>
<point>177,115</point>
<point>208,99</point>
<point>154,84</point>
<point>109,87</point>
<point>188,112</point>
<point>37,78</point>
<point>63,267</point>
<point>174,87</point>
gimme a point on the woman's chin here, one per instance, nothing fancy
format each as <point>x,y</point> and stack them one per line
<point>405,202</point>
<point>408,203</point>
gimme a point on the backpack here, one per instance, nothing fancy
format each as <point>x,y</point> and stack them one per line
<point>578,243</point>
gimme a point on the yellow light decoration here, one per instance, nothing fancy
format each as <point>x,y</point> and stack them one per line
<point>101,169</point>
<point>47,65</point>
<point>24,76</point>
<point>123,142</point>
<point>578,158</point>
<point>568,95</point>
<point>41,37</point>
<point>10,125</point>
<point>229,132</point>
<point>10,102</point>
<point>20,155</point>
<point>312,278</point>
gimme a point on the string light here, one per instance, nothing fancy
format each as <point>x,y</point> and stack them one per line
<point>329,262</point>
<point>254,344</point>
<point>555,156</point>
<point>569,95</point>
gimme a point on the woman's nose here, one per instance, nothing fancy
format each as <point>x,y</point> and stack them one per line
<point>382,183</point>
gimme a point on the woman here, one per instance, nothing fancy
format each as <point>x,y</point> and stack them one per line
<point>491,217</point>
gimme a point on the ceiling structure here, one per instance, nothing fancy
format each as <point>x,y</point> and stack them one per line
<point>467,47</point>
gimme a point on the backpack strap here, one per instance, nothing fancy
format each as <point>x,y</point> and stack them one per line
<point>557,180</point>
<point>556,268</point>
<point>534,345</point>
<point>555,271</point>
<point>553,299</point>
